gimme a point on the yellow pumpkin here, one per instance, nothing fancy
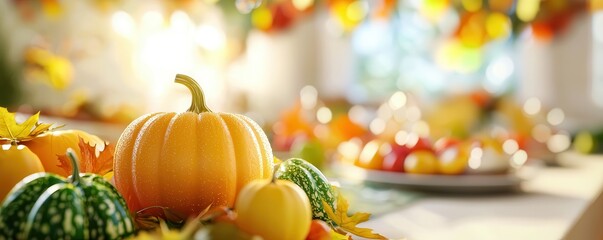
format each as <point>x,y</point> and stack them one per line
<point>274,210</point>
<point>50,144</point>
<point>16,162</point>
<point>186,161</point>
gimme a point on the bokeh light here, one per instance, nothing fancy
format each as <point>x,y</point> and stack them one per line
<point>397,100</point>
<point>433,9</point>
<point>472,5</point>
<point>475,158</point>
<point>324,115</point>
<point>262,18</point>
<point>555,117</point>
<point>510,146</point>
<point>123,24</point>
<point>498,25</point>
<point>377,126</point>
<point>308,97</point>
<point>559,142</point>
<point>519,158</point>
<point>246,6</point>
<point>401,137</point>
<point>532,106</point>
<point>527,9</point>
<point>302,4</point>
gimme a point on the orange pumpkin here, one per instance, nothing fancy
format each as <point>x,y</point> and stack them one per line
<point>186,161</point>
<point>50,144</point>
<point>16,162</point>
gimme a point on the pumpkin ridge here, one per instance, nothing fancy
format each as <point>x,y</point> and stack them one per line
<point>162,151</point>
<point>230,198</point>
<point>178,145</point>
<point>265,147</point>
<point>246,158</point>
<point>121,164</point>
<point>144,163</point>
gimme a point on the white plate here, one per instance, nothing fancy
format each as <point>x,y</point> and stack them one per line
<point>440,183</point>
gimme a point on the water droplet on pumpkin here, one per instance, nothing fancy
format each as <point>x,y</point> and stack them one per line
<point>245,6</point>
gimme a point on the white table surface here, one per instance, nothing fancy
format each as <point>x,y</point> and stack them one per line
<point>557,203</point>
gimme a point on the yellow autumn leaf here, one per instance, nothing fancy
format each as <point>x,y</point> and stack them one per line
<point>56,70</point>
<point>337,236</point>
<point>29,129</point>
<point>276,160</point>
<point>10,129</point>
<point>348,223</point>
<point>41,128</point>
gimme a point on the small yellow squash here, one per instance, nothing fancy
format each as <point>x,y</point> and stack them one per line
<point>16,163</point>
<point>274,210</point>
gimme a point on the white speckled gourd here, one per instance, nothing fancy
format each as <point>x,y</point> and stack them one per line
<point>47,206</point>
<point>313,182</point>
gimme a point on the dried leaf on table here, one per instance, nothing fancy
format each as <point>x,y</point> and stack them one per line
<point>152,217</point>
<point>89,161</point>
<point>348,223</point>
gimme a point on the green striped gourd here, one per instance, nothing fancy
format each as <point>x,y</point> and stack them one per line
<point>47,206</point>
<point>313,182</point>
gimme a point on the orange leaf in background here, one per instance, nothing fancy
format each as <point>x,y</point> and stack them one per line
<point>348,223</point>
<point>90,162</point>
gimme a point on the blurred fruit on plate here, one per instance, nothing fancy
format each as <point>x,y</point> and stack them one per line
<point>486,156</point>
<point>312,150</point>
<point>453,155</point>
<point>421,162</point>
<point>394,160</point>
<point>372,154</point>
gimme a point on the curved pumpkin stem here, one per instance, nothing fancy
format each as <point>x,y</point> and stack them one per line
<point>75,174</point>
<point>198,100</point>
<point>273,180</point>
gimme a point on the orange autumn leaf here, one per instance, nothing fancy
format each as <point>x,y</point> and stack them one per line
<point>89,161</point>
<point>348,223</point>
